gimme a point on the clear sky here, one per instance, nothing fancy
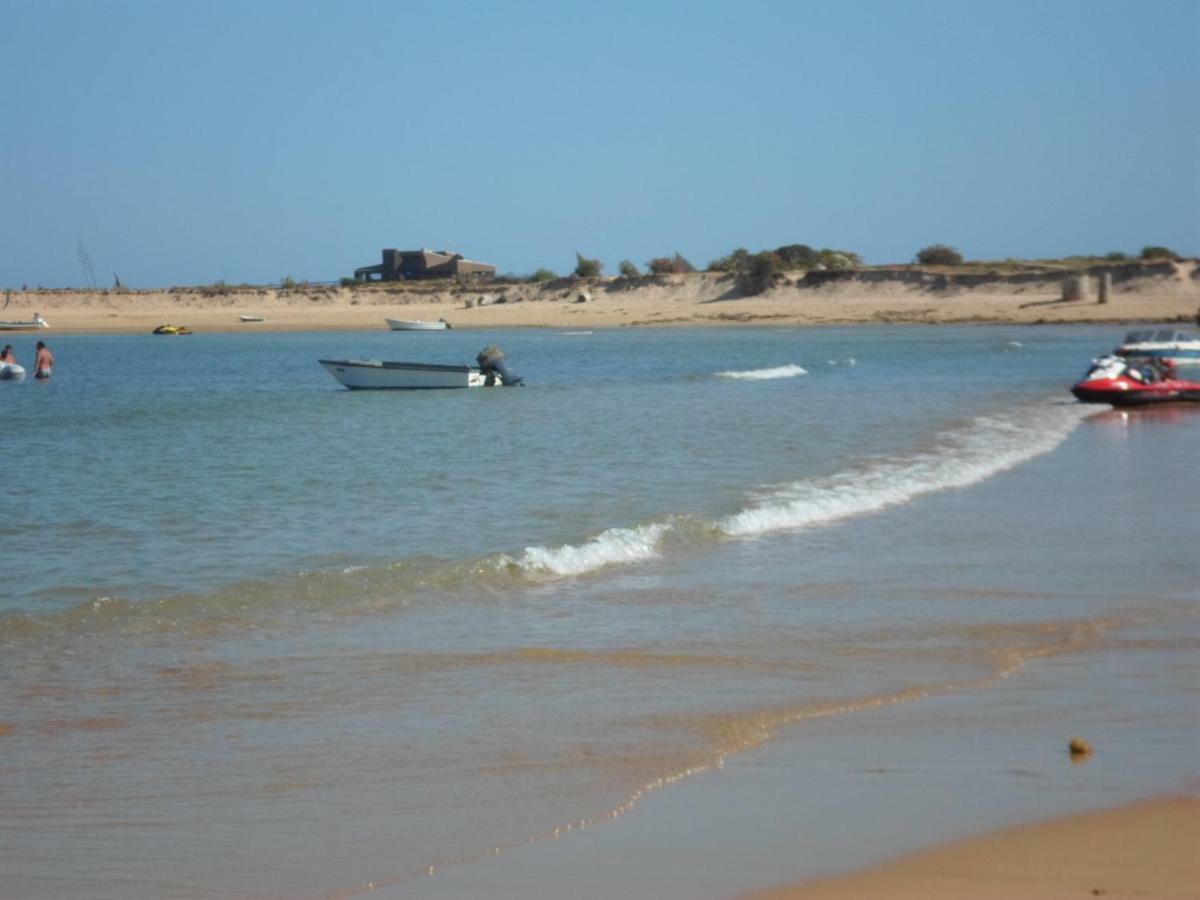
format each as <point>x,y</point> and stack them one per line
<point>186,143</point>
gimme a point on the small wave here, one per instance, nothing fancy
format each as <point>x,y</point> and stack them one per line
<point>614,546</point>
<point>965,456</point>
<point>789,371</point>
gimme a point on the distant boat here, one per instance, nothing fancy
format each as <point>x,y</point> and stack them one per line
<point>36,322</point>
<point>361,374</point>
<point>416,325</point>
<point>251,318</point>
<point>1179,347</point>
<point>364,374</point>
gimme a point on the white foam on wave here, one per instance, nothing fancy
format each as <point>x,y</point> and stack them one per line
<point>789,371</point>
<point>612,547</point>
<point>965,456</point>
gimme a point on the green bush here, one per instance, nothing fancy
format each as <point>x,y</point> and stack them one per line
<point>838,259</point>
<point>348,282</point>
<point>737,261</point>
<point>1153,252</point>
<point>681,264</point>
<point>542,275</point>
<point>763,268</point>
<point>628,269</point>
<point>587,268</point>
<point>797,256</point>
<point>939,255</point>
<point>1116,256</point>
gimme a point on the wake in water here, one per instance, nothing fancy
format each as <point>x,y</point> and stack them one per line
<point>788,371</point>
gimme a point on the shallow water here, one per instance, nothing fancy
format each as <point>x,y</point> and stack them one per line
<point>265,636</point>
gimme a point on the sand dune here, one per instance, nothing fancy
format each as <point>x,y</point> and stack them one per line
<point>1161,292</point>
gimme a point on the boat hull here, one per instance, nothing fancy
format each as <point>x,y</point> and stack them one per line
<point>371,374</point>
<point>414,325</point>
<point>1123,392</point>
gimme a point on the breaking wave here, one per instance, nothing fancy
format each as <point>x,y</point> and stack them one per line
<point>616,545</point>
<point>963,456</point>
<point>959,457</point>
<point>788,371</point>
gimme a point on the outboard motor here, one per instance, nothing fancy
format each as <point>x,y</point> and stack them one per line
<point>491,365</point>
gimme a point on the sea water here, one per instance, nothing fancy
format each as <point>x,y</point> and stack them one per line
<point>264,636</point>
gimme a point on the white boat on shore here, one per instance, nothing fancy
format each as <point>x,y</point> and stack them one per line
<point>417,325</point>
<point>376,374</point>
<point>251,318</point>
<point>29,325</point>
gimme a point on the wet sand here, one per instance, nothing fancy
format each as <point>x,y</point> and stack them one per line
<point>1147,849</point>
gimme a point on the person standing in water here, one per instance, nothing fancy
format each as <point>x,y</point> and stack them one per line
<point>43,366</point>
<point>6,356</point>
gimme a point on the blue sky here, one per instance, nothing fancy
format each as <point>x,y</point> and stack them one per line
<point>186,143</point>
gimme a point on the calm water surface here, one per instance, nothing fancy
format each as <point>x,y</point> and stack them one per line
<point>263,636</point>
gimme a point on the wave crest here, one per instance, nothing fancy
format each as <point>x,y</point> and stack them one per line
<point>788,371</point>
<point>965,456</point>
<point>614,546</point>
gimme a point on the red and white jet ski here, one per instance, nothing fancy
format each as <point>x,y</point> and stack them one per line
<point>1129,382</point>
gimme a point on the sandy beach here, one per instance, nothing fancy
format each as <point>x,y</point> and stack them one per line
<point>1158,292</point>
<point>1147,849</point>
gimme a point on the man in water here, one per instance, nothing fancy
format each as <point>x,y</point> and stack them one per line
<point>43,366</point>
<point>7,355</point>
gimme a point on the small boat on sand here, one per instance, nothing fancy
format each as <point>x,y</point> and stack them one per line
<point>251,318</point>
<point>172,329</point>
<point>1123,382</point>
<point>417,325</point>
<point>374,374</point>
<point>29,325</point>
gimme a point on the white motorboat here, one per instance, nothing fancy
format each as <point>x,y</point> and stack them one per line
<point>366,374</point>
<point>11,372</point>
<point>251,318</point>
<point>416,325</point>
<point>29,325</point>
<point>374,373</point>
<point>1179,347</point>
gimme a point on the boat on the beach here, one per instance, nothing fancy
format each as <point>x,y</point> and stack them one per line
<point>28,325</point>
<point>251,318</point>
<point>417,325</point>
<point>1170,344</point>
<point>11,372</point>
<point>375,374</point>
<point>1127,382</point>
<point>172,329</point>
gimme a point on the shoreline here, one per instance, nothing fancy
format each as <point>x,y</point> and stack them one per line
<point>1143,849</point>
<point>1168,293</point>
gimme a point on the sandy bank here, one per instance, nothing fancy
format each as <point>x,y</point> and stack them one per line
<point>1162,292</point>
<point>1144,850</point>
